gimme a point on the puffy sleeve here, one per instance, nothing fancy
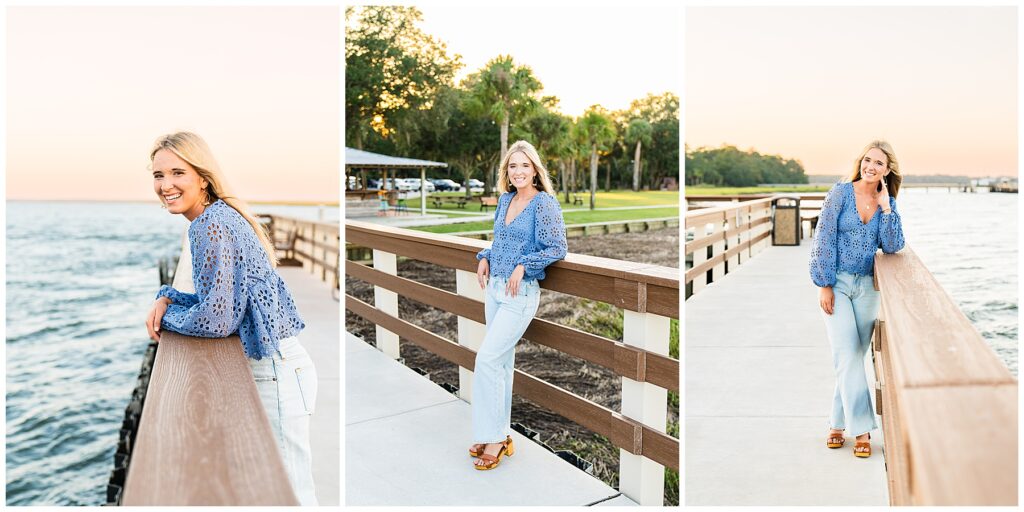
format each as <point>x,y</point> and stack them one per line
<point>890,230</point>
<point>486,253</point>
<point>824,250</point>
<point>177,297</point>
<point>550,244</point>
<point>220,286</point>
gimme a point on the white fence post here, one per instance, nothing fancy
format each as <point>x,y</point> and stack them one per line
<point>471,333</point>
<point>640,478</point>
<point>699,256</point>
<point>386,301</point>
<point>717,249</point>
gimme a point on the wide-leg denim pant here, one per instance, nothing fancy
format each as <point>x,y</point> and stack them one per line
<point>849,330</point>
<point>287,384</point>
<point>507,318</point>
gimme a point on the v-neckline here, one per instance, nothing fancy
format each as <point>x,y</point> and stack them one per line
<point>856,207</point>
<point>509,206</point>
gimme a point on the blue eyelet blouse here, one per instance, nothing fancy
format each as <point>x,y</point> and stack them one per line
<point>842,243</point>
<point>237,290</point>
<point>534,239</point>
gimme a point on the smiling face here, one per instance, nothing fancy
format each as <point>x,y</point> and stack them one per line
<point>178,185</point>
<point>521,171</point>
<point>874,165</point>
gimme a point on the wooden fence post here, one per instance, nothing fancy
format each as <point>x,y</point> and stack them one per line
<point>470,332</point>
<point>699,256</point>
<point>718,248</point>
<point>386,301</point>
<point>640,478</point>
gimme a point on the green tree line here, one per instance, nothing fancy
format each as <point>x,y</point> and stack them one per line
<point>729,167</point>
<point>402,99</point>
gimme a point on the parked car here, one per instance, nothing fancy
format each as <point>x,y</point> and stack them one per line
<point>446,185</point>
<point>414,184</point>
<point>475,183</point>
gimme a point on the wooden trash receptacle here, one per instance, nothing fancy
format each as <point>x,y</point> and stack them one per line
<point>786,221</point>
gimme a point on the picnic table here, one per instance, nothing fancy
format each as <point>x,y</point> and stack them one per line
<point>459,201</point>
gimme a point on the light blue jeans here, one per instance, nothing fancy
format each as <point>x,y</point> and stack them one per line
<point>849,330</point>
<point>507,320</point>
<point>287,386</point>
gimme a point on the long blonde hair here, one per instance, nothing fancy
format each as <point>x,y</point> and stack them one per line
<point>894,179</point>
<point>542,181</point>
<point>193,149</point>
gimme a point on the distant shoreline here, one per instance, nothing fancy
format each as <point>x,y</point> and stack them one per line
<point>141,201</point>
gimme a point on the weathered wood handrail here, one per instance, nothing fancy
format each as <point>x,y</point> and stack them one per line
<point>317,244</point>
<point>948,404</point>
<point>648,293</point>
<point>204,438</point>
<point>722,237</point>
<point>639,287</point>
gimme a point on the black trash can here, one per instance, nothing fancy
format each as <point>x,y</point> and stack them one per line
<point>786,220</point>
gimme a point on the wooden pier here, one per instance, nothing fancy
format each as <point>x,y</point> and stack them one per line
<point>760,382</point>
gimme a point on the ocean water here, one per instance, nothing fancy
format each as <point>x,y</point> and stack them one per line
<point>81,277</point>
<point>969,243</point>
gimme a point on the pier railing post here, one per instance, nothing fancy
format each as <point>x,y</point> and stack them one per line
<point>640,478</point>
<point>471,333</point>
<point>717,249</point>
<point>758,213</point>
<point>699,256</point>
<point>387,302</point>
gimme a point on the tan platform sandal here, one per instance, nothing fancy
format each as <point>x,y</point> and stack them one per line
<point>492,461</point>
<point>835,440</point>
<point>862,449</point>
<point>483,446</point>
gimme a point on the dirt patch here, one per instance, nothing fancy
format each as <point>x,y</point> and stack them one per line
<point>588,380</point>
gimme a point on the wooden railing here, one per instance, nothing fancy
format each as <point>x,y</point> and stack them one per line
<point>316,243</point>
<point>204,438</point>
<point>649,296</point>
<point>718,239</point>
<point>948,404</point>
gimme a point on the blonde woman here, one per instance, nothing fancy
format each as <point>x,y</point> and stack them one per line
<point>237,290</point>
<point>529,235</point>
<point>857,218</point>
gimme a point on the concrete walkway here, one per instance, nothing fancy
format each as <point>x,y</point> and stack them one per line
<point>759,384</point>
<point>320,338</point>
<point>406,440</point>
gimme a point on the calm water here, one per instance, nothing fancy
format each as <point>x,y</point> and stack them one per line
<point>80,279</point>
<point>969,242</point>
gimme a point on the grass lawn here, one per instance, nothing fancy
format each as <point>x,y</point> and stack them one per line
<point>731,191</point>
<point>615,198</point>
<point>583,217</point>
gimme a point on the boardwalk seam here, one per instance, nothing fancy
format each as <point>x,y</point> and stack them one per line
<point>403,412</point>
<point>602,500</point>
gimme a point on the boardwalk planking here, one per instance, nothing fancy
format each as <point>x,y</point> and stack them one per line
<point>759,384</point>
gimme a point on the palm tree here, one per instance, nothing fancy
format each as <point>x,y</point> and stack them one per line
<point>639,131</point>
<point>503,90</point>
<point>596,130</point>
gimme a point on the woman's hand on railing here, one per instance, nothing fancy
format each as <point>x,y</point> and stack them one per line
<point>827,299</point>
<point>512,288</point>
<point>483,269</point>
<point>156,315</point>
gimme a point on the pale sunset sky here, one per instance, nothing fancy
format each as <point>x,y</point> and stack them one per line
<point>583,53</point>
<point>818,83</point>
<point>90,88</point>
